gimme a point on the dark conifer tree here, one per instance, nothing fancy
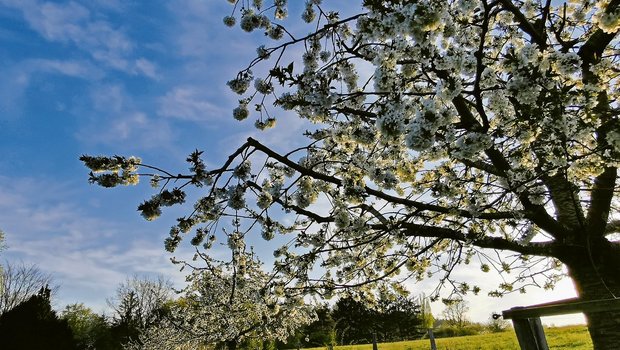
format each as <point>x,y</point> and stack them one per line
<point>34,325</point>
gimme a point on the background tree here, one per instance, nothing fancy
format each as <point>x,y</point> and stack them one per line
<point>2,247</point>
<point>137,305</point>
<point>391,318</point>
<point>427,319</point>
<point>90,330</point>
<point>400,319</point>
<point>19,282</point>
<point>2,239</point>
<point>472,125</point>
<point>227,303</point>
<point>497,324</point>
<point>455,312</point>
<point>321,332</point>
<point>355,321</point>
<point>34,325</point>
<point>455,321</point>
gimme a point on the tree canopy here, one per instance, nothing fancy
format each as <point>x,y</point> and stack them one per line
<point>2,244</point>
<point>19,282</point>
<point>138,300</point>
<point>33,324</point>
<point>226,305</point>
<point>89,329</point>
<point>437,130</point>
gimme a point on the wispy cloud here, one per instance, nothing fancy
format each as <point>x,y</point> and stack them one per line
<point>189,103</point>
<point>193,36</point>
<point>113,118</point>
<point>87,255</point>
<point>12,87</point>
<point>147,68</point>
<point>129,130</point>
<point>17,79</point>
<point>74,24</point>
<point>108,97</point>
<point>112,5</point>
<point>71,68</point>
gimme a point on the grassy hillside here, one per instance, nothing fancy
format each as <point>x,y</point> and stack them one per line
<point>564,338</point>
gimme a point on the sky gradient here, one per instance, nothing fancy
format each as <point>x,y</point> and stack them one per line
<point>104,77</point>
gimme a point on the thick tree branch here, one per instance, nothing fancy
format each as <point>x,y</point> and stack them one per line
<point>600,201</point>
<point>481,241</point>
<point>481,165</point>
<point>613,227</point>
<point>297,209</point>
<point>365,115</point>
<point>480,67</point>
<point>592,50</point>
<point>566,201</point>
<point>379,194</point>
<point>537,34</point>
<point>536,213</point>
<point>605,183</point>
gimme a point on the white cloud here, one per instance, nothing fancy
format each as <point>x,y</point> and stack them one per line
<point>110,98</point>
<point>147,68</point>
<point>189,103</point>
<point>71,68</point>
<point>57,22</point>
<point>12,87</point>
<point>113,5</point>
<point>17,78</point>
<point>128,125</point>
<point>193,36</point>
<point>88,255</point>
<point>133,129</point>
<point>115,120</point>
<point>73,23</point>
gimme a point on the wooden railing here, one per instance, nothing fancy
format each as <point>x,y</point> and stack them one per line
<point>526,319</point>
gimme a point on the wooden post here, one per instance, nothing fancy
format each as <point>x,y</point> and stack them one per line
<point>431,337</point>
<point>374,341</point>
<point>526,320</point>
<point>530,333</point>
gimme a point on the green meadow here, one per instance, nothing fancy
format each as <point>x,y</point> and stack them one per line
<point>568,337</point>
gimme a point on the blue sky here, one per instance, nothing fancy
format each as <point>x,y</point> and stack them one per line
<point>144,78</point>
<point>105,77</point>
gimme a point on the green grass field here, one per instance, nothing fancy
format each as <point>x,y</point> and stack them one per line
<point>569,337</point>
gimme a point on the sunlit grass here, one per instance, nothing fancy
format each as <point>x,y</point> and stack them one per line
<point>569,337</point>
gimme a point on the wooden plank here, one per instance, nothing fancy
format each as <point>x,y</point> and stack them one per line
<point>530,334</point>
<point>561,307</point>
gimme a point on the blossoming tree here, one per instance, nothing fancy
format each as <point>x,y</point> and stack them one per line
<point>438,132</point>
<point>228,303</point>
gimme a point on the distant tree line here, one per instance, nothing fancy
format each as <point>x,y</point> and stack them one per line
<point>352,321</point>
<point>28,321</point>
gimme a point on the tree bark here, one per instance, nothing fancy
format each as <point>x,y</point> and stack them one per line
<point>231,344</point>
<point>595,271</point>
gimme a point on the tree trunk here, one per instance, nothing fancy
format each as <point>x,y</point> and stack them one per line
<point>231,344</point>
<point>596,274</point>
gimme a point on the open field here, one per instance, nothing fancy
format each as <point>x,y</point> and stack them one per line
<point>564,338</point>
